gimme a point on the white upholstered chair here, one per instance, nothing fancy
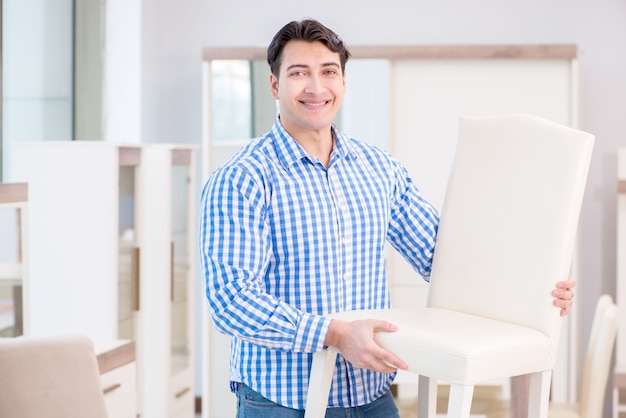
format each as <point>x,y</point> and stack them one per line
<point>506,236</point>
<point>52,377</point>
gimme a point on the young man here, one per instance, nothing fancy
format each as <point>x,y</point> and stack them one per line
<point>294,227</point>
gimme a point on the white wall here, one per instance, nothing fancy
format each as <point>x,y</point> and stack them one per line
<point>174,33</point>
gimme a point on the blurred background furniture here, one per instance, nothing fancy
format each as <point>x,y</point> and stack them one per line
<point>619,378</point>
<point>50,377</point>
<point>111,250</point>
<point>118,376</point>
<point>597,365</point>
<point>13,258</point>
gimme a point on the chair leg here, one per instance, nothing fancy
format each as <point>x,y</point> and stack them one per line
<point>426,397</point>
<point>319,383</point>
<point>460,401</point>
<point>519,396</point>
<point>539,394</point>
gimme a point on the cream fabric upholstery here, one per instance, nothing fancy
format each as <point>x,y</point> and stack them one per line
<point>51,377</point>
<point>506,236</point>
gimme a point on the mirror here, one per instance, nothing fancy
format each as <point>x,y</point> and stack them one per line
<point>243,108</point>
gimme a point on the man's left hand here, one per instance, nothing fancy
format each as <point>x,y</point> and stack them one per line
<point>563,295</point>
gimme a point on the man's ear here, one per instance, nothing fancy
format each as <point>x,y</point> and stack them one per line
<point>274,86</point>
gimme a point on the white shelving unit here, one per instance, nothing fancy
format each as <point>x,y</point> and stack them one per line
<point>118,374</point>
<point>13,259</point>
<point>111,256</point>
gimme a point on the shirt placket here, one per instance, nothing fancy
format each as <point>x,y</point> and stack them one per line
<point>339,207</point>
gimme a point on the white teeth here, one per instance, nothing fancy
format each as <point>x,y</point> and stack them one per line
<point>315,104</point>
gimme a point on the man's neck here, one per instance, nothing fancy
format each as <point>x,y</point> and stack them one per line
<point>317,143</point>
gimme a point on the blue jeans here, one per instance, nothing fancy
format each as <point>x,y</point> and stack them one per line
<point>252,405</point>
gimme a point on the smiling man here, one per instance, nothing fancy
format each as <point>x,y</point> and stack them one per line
<point>294,227</point>
<point>310,93</point>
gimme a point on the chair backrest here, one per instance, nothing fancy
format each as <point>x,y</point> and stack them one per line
<point>509,219</point>
<point>598,358</point>
<point>54,377</point>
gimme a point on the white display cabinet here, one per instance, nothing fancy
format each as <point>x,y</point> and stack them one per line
<point>13,259</point>
<point>118,374</point>
<point>111,256</point>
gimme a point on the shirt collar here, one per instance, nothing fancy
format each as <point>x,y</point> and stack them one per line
<point>289,151</point>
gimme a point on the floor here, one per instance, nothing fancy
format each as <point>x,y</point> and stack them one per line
<point>487,402</point>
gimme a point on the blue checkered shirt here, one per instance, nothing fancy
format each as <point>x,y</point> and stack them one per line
<point>285,241</point>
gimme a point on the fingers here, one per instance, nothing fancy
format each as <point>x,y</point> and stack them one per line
<point>563,304</point>
<point>563,291</point>
<point>386,367</point>
<point>563,295</point>
<point>566,284</point>
<point>359,346</point>
<point>390,360</point>
<point>380,325</point>
<point>382,361</point>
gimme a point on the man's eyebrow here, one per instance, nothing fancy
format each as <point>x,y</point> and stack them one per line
<point>326,64</point>
<point>297,66</point>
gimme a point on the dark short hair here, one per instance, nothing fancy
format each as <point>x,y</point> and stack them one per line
<point>308,30</point>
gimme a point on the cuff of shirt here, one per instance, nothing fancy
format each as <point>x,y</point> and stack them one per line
<point>311,333</point>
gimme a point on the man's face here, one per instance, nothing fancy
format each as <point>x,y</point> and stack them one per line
<point>310,87</point>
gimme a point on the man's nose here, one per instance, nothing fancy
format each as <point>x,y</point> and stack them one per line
<point>315,84</point>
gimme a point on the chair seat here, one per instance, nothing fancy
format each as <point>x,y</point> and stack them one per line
<point>473,349</point>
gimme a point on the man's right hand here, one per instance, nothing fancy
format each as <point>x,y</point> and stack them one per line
<point>355,341</point>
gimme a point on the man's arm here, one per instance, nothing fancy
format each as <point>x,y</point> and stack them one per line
<point>234,250</point>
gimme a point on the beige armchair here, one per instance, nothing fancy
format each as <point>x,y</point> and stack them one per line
<point>52,377</point>
<point>506,236</point>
